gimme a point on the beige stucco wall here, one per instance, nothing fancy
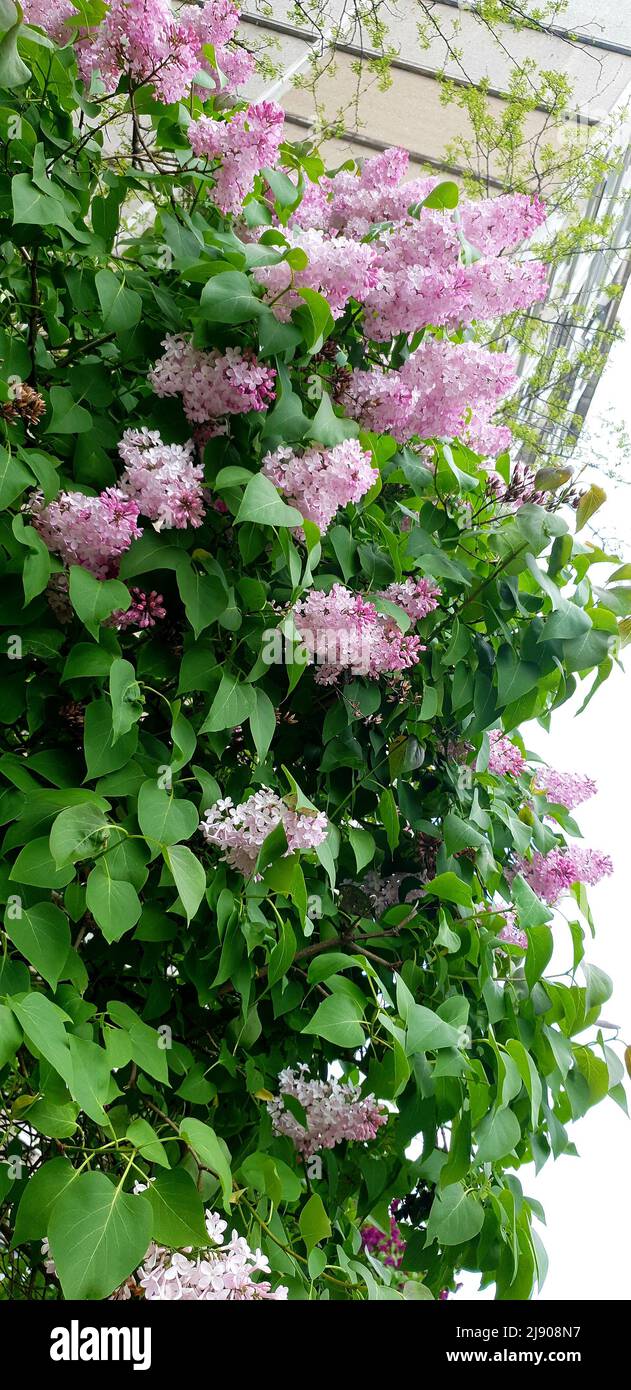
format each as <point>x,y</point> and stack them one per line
<point>409,113</point>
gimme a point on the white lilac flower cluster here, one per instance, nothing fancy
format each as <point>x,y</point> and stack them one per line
<point>223,1272</point>
<point>240,830</point>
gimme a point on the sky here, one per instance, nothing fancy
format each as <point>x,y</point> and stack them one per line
<point>588,1199</point>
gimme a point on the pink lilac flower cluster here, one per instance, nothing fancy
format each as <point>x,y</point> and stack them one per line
<point>354,203</point>
<point>567,789</point>
<point>212,383</point>
<point>552,874</point>
<point>444,390</point>
<point>389,1248</point>
<point>340,269</point>
<point>320,481</point>
<point>411,248</point>
<point>52,16</point>
<point>245,144</point>
<point>144,611</point>
<point>511,933</point>
<point>167,49</point>
<point>421,281</point>
<point>417,597</point>
<point>342,632</point>
<point>334,1110</point>
<point>162,479</point>
<point>240,830</point>
<point>500,224</point>
<point>418,276</point>
<point>89,531</point>
<point>504,758</point>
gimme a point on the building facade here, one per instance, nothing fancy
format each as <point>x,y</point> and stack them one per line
<point>351,111</point>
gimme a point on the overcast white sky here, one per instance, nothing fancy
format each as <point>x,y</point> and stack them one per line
<point>588,1199</point>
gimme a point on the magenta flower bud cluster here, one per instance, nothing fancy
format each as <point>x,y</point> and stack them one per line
<point>551,875</point>
<point>239,831</point>
<point>519,490</point>
<point>320,481</point>
<point>144,611</point>
<point>211,384</point>
<point>389,1248</point>
<point>342,633</point>
<point>247,143</point>
<point>334,1111</point>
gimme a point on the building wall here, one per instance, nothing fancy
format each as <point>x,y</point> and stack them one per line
<point>599,67</point>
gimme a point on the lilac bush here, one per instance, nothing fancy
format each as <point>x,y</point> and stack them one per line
<point>281,875</point>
